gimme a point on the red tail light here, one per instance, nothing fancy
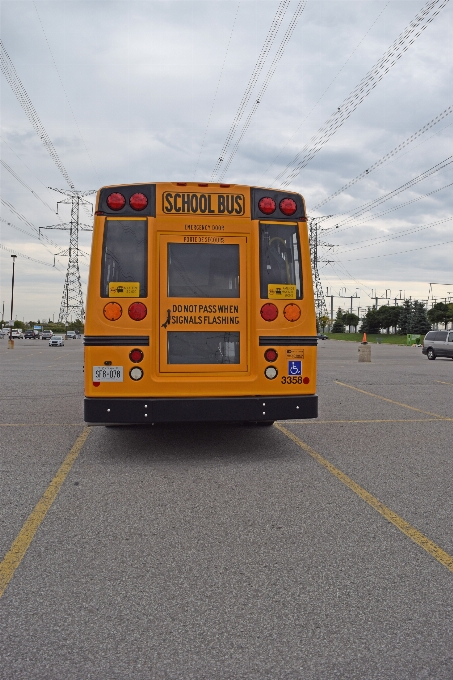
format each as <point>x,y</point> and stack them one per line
<point>270,355</point>
<point>267,205</point>
<point>116,201</point>
<point>137,311</point>
<point>136,356</point>
<point>288,206</point>
<point>138,201</point>
<point>269,312</point>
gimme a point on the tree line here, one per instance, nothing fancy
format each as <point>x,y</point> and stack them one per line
<point>411,317</point>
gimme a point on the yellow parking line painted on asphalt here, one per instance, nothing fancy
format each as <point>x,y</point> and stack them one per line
<point>21,544</point>
<point>392,420</point>
<point>442,382</point>
<point>392,401</point>
<point>414,534</point>
<point>38,424</point>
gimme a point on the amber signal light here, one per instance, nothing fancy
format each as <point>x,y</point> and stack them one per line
<point>116,201</point>
<point>137,311</point>
<point>112,311</point>
<point>291,312</point>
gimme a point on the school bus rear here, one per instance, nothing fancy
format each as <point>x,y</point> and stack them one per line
<point>200,306</point>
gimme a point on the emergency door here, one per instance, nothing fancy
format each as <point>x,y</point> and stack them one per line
<point>202,298</point>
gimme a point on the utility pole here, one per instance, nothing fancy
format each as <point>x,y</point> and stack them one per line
<point>313,237</point>
<point>72,298</point>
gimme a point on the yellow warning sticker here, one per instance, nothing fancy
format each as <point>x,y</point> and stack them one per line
<point>276,292</point>
<point>124,289</point>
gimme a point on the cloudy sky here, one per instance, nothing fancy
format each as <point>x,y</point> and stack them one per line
<point>148,91</point>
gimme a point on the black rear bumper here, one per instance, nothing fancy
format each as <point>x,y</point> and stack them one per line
<point>99,411</point>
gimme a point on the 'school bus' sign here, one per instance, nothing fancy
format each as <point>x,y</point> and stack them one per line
<point>202,204</point>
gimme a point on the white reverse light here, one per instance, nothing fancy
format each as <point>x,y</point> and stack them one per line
<point>271,372</point>
<point>136,373</point>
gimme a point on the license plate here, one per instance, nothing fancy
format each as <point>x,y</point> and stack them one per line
<point>107,374</point>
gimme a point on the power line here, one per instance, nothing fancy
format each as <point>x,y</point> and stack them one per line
<point>27,257</point>
<point>372,204</point>
<point>400,252</point>
<point>216,90</point>
<point>16,176</point>
<point>24,100</point>
<point>362,90</point>
<point>325,91</point>
<point>383,239</point>
<point>65,93</point>
<point>286,38</point>
<point>274,27</point>
<point>388,155</point>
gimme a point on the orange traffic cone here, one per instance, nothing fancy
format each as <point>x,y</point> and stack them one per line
<point>364,342</point>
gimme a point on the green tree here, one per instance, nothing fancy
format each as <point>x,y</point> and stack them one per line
<point>405,317</point>
<point>371,322</point>
<point>338,324</point>
<point>440,313</point>
<point>351,319</point>
<point>322,322</point>
<point>420,323</point>
<point>389,316</point>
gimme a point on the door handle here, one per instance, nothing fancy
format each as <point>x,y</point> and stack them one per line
<point>167,320</point>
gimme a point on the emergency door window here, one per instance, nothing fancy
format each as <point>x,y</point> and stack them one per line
<point>207,270</point>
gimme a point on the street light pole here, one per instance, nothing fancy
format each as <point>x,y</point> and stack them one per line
<point>10,342</point>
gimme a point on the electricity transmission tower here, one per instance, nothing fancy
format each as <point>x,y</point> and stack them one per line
<point>72,298</point>
<point>315,243</point>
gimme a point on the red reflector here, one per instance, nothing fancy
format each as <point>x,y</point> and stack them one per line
<point>270,355</point>
<point>116,201</point>
<point>203,184</point>
<point>96,384</point>
<point>181,184</point>
<point>137,311</point>
<point>267,205</point>
<point>225,185</point>
<point>306,381</point>
<point>288,206</point>
<point>269,312</point>
<point>138,201</point>
<point>136,355</point>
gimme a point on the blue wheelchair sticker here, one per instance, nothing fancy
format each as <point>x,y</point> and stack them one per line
<point>294,368</point>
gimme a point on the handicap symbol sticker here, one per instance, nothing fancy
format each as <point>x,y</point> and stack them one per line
<point>294,368</point>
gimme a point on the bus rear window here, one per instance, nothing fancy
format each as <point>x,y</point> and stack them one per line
<point>203,270</point>
<point>280,258</point>
<point>195,347</point>
<point>124,254</point>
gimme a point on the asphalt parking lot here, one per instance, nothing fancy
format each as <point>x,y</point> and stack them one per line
<point>310,550</point>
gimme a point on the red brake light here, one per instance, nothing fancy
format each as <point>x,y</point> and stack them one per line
<point>269,312</point>
<point>270,355</point>
<point>138,201</point>
<point>116,201</point>
<point>137,311</point>
<point>136,356</point>
<point>288,206</point>
<point>267,205</point>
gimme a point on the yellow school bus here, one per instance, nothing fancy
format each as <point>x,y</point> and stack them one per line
<point>200,306</point>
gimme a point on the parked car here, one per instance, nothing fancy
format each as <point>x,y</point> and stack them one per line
<point>438,344</point>
<point>56,341</point>
<point>31,335</point>
<point>321,336</point>
<point>17,334</point>
<point>46,335</point>
<point>71,335</point>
